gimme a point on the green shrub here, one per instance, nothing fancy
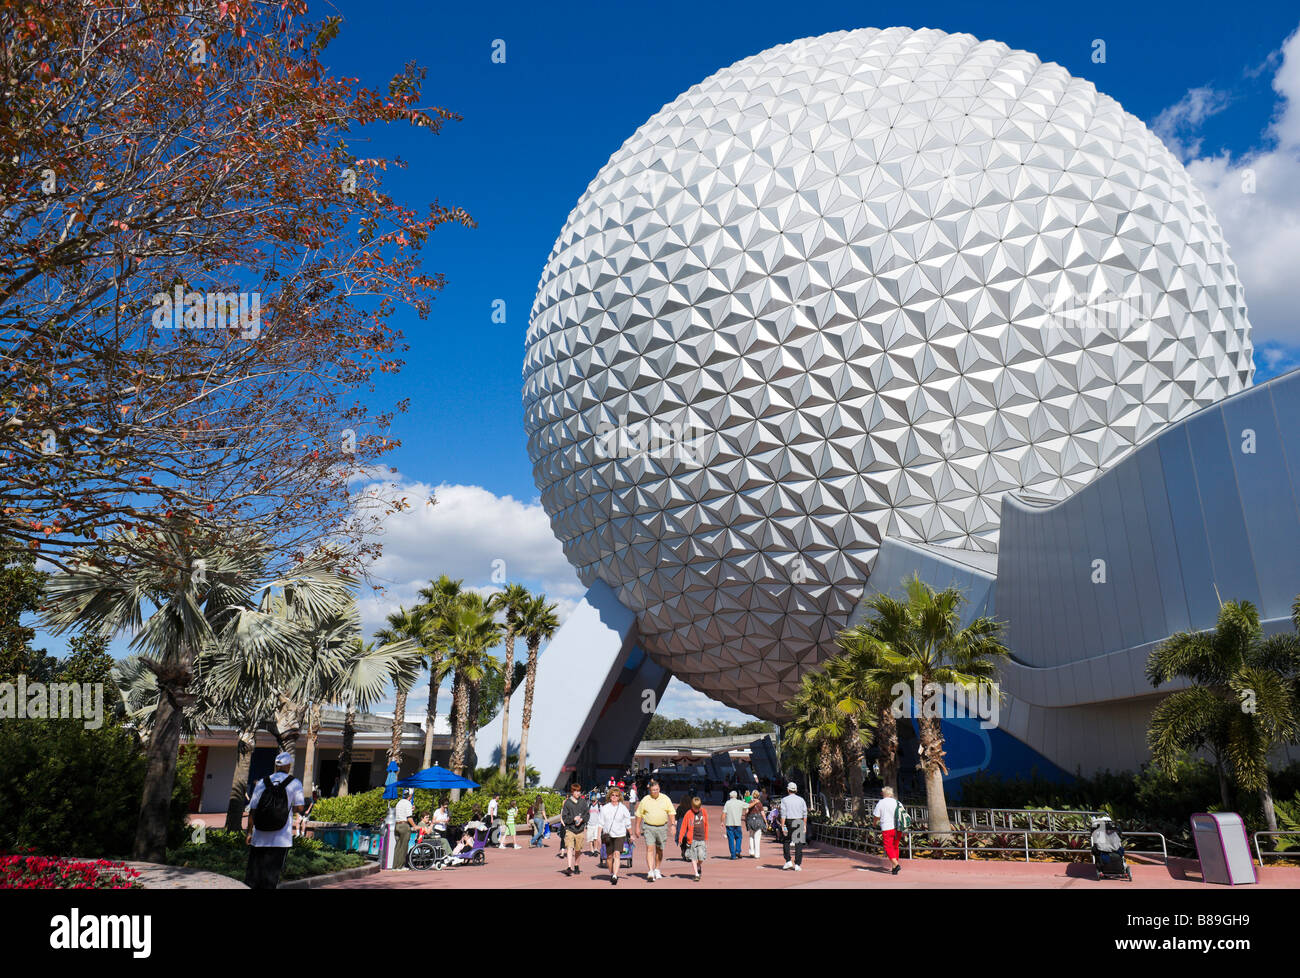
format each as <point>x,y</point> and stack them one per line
<point>370,807</point>
<point>365,808</point>
<point>65,790</point>
<point>1148,794</point>
<point>227,853</point>
<point>182,791</point>
<point>1148,800</point>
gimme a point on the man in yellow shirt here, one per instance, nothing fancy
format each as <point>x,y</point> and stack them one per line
<point>656,819</point>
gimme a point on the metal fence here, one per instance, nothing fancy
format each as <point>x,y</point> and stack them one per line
<point>861,839</point>
<point>1275,851</point>
<point>974,818</point>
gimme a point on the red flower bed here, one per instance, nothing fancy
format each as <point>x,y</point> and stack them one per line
<point>29,872</point>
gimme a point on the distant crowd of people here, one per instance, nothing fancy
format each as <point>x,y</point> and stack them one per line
<point>595,822</point>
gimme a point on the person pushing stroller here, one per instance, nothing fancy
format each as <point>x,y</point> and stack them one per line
<point>1108,849</point>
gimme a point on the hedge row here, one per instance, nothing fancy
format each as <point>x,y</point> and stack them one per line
<point>370,807</point>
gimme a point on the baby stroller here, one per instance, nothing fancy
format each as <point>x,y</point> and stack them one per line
<point>625,860</point>
<point>1108,851</point>
<point>475,855</point>
<point>774,821</point>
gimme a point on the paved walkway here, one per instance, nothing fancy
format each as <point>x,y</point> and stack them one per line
<point>156,876</point>
<point>824,867</point>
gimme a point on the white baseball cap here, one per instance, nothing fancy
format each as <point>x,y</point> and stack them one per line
<point>792,787</point>
<point>283,758</point>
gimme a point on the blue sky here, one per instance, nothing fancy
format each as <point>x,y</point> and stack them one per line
<point>578,79</point>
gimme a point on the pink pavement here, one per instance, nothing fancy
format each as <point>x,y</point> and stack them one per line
<point>824,867</point>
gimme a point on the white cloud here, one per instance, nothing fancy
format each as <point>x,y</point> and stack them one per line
<point>680,700</point>
<point>461,535</point>
<point>469,533</point>
<point>1256,198</point>
<point>468,529</point>
<point>1177,124</point>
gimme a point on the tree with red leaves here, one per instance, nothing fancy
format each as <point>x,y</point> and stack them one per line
<point>197,278</point>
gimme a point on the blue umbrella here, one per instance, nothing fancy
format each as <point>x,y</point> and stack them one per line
<point>433,779</point>
<point>390,791</point>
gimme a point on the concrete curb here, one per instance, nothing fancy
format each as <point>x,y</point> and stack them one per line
<point>312,882</point>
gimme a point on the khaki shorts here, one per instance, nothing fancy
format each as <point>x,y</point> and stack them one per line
<point>655,835</point>
<point>574,840</point>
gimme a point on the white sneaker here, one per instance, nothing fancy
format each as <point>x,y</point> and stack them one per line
<point>658,875</point>
<point>788,865</point>
<point>798,868</point>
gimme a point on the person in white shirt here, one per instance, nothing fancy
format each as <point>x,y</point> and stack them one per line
<point>493,807</point>
<point>886,816</point>
<point>268,846</point>
<point>441,819</point>
<point>794,815</point>
<point>405,812</point>
<point>615,823</point>
<point>593,824</point>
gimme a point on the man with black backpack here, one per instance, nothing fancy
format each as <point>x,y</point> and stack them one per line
<point>275,799</point>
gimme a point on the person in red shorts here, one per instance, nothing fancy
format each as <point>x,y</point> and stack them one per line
<point>886,816</point>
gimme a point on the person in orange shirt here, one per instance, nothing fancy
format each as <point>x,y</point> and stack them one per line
<point>694,834</point>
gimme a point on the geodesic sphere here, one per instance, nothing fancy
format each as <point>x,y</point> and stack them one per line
<point>877,279</point>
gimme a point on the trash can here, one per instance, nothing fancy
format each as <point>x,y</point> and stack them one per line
<point>1223,849</point>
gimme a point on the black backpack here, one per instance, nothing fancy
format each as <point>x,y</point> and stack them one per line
<point>272,811</point>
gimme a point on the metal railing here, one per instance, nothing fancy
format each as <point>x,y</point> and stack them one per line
<point>861,839</point>
<point>1260,854</point>
<point>992,818</point>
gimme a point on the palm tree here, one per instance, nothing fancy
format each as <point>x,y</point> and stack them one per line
<point>511,601</point>
<point>920,641</point>
<point>360,679</point>
<point>472,633</point>
<point>402,624</point>
<point>241,688</point>
<point>863,698</point>
<point>817,728</point>
<point>328,627</point>
<point>858,718</point>
<point>437,601</point>
<point>138,687</point>
<point>196,590</point>
<point>311,686</point>
<point>537,623</point>
<point>1243,702</point>
<point>245,679</point>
